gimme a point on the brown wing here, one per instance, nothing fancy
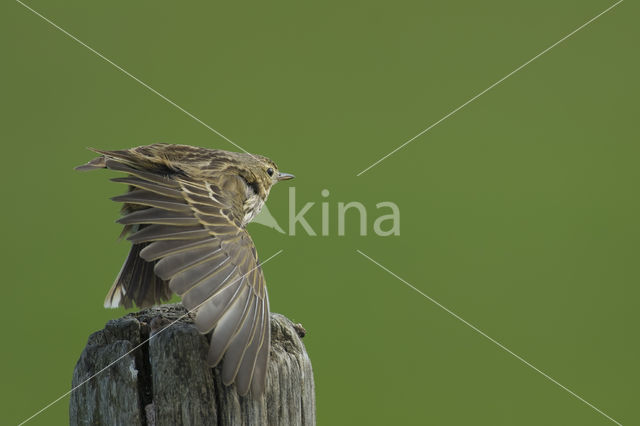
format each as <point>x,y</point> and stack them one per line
<point>209,259</point>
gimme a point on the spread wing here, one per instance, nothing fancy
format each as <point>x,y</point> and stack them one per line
<point>200,247</point>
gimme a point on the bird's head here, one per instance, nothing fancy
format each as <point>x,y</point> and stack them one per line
<point>261,173</point>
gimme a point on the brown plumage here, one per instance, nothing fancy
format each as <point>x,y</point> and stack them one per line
<point>185,214</point>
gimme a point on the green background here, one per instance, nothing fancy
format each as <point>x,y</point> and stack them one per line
<point>519,213</point>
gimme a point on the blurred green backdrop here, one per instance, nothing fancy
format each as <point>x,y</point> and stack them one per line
<point>519,213</point>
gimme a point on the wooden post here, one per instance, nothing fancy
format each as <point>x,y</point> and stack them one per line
<point>167,382</point>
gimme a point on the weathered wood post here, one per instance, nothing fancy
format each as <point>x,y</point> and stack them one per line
<point>167,382</point>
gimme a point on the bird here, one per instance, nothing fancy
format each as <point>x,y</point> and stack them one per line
<point>185,214</point>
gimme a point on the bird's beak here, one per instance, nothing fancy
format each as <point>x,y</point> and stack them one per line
<point>285,176</point>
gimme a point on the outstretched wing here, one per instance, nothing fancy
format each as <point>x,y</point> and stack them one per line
<point>195,236</point>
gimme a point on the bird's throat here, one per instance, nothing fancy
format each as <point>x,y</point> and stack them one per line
<point>252,206</point>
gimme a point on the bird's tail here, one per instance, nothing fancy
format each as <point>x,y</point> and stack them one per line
<point>137,283</point>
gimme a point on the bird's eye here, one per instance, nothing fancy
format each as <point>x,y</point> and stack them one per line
<point>270,171</point>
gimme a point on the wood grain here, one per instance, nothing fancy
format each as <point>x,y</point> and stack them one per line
<point>167,381</point>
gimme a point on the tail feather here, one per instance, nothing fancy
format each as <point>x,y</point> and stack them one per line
<point>137,283</point>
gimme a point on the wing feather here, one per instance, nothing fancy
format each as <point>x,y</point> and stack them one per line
<point>247,365</point>
<point>163,248</point>
<point>150,186</point>
<point>169,266</point>
<point>168,232</point>
<point>150,199</point>
<point>238,347</point>
<point>228,325</point>
<point>259,378</point>
<point>209,287</point>
<point>151,177</point>
<point>156,216</point>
